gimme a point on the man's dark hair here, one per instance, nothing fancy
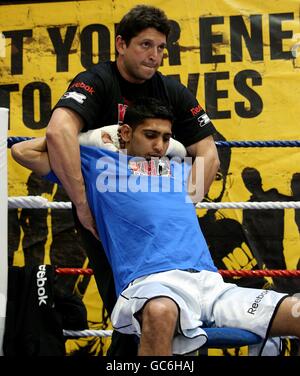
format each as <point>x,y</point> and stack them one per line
<point>140,18</point>
<point>147,108</point>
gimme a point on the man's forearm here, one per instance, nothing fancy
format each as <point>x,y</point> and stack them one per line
<point>33,155</point>
<point>64,157</point>
<point>206,167</point>
<point>211,166</point>
<point>64,154</point>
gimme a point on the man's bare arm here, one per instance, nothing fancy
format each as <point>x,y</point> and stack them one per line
<point>33,155</point>
<point>64,157</point>
<point>206,149</point>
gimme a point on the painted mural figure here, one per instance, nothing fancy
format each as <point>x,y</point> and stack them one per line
<point>295,188</point>
<point>34,223</point>
<point>264,228</point>
<point>64,243</point>
<point>225,237</point>
<point>66,250</point>
<point>13,235</point>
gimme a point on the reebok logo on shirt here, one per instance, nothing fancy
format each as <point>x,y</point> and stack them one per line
<point>256,302</point>
<point>78,97</point>
<point>83,86</point>
<point>203,120</point>
<point>40,282</point>
<point>196,110</point>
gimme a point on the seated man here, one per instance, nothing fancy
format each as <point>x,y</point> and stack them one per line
<point>107,138</point>
<point>166,282</point>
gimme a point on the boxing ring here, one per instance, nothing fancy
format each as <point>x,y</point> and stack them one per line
<point>217,337</point>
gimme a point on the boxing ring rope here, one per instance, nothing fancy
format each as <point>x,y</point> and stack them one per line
<point>87,333</point>
<point>237,144</point>
<point>223,272</point>
<point>37,202</point>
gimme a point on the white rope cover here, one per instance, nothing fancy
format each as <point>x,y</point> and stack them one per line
<point>35,202</point>
<point>38,202</point>
<point>87,333</point>
<point>250,205</point>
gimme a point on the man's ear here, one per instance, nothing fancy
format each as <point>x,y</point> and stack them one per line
<point>126,132</point>
<point>120,45</point>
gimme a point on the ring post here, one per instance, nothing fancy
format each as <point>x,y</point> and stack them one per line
<point>3,221</point>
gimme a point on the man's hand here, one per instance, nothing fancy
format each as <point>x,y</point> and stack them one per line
<point>86,219</point>
<point>106,138</point>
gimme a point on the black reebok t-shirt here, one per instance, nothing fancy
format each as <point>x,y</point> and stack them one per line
<point>100,96</point>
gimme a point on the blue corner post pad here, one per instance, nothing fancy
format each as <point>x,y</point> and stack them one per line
<point>230,337</point>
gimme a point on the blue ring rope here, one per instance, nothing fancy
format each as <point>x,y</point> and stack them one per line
<point>236,144</point>
<point>251,144</point>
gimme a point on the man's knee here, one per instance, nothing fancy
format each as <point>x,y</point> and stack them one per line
<point>287,318</point>
<point>160,310</point>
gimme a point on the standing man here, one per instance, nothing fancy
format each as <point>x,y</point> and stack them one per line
<point>99,97</point>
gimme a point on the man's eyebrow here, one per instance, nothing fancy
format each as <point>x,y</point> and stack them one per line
<point>152,41</point>
<point>157,132</point>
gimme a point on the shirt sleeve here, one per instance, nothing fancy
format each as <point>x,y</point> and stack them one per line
<point>84,97</point>
<point>192,123</point>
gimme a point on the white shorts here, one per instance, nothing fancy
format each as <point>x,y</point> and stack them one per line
<point>204,299</point>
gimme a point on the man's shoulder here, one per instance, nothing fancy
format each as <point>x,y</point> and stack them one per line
<point>168,79</point>
<point>172,85</point>
<point>101,76</point>
<point>103,70</point>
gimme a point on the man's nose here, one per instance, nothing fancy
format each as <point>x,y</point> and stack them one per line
<point>154,52</point>
<point>159,145</point>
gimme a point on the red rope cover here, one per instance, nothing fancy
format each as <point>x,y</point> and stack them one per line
<point>224,273</point>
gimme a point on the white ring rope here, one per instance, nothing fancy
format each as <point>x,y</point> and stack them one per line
<point>250,205</point>
<point>87,333</point>
<point>38,202</point>
<point>35,202</point>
